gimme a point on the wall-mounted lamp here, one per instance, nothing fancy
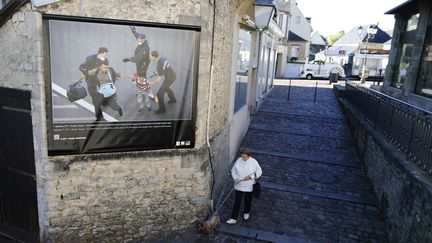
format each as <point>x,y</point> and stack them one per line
<point>264,12</point>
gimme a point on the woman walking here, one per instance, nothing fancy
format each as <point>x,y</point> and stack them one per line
<point>244,172</point>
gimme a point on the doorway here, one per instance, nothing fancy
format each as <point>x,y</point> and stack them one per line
<point>18,198</point>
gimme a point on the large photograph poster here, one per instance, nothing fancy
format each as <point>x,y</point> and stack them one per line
<point>140,81</point>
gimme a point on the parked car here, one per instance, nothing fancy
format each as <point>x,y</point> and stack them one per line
<point>321,70</point>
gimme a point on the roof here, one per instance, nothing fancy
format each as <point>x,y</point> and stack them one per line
<point>408,6</point>
<point>294,37</point>
<point>380,37</point>
<point>318,39</point>
<point>313,49</point>
<point>352,37</point>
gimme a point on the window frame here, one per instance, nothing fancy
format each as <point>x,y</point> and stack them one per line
<point>239,104</point>
<point>418,87</point>
<point>407,37</point>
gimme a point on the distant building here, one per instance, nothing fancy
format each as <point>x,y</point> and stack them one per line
<point>298,42</point>
<point>283,19</point>
<point>350,50</point>
<point>409,71</point>
<point>317,43</point>
<point>299,35</point>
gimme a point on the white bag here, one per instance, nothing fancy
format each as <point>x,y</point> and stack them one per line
<point>107,90</point>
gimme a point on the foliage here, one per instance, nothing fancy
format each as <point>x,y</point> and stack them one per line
<point>333,38</point>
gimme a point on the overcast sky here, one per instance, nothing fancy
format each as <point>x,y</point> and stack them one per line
<point>331,16</point>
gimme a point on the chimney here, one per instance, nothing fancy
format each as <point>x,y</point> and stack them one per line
<point>308,19</point>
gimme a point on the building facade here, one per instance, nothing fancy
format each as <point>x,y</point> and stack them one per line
<point>118,196</point>
<point>318,43</point>
<point>408,75</point>
<point>350,51</point>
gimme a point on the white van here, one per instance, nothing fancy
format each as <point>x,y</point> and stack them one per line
<point>321,70</point>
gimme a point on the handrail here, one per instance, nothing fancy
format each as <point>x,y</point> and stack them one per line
<point>357,85</point>
<point>406,126</point>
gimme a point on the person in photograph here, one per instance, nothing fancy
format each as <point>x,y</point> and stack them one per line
<point>144,92</point>
<point>244,172</point>
<point>105,76</point>
<point>92,62</point>
<point>163,69</point>
<point>141,55</point>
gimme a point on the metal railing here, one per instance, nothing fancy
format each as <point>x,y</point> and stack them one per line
<point>406,126</point>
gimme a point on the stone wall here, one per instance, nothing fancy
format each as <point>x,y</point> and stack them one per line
<point>404,191</point>
<point>120,197</point>
<point>123,196</point>
<point>21,67</point>
<point>222,62</point>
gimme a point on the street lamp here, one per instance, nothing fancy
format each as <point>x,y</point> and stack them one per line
<point>371,32</point>
<point>264,12</point>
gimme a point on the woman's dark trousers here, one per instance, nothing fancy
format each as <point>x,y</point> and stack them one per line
<point>247,203</point>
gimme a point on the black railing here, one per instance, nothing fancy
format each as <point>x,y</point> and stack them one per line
<point>406,126</point>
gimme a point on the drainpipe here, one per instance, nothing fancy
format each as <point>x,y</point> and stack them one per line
<point>209,105</point>
<point>258,69</point>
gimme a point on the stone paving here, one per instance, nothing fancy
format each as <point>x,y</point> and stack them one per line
<point>314,185</point>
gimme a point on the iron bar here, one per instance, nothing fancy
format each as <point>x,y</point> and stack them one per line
<point>316,88</point>
<point>406,126</point>
<point>289,90</point>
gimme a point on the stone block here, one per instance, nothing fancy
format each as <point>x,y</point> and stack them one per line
<point>135,190</point>
<point>71,196</point>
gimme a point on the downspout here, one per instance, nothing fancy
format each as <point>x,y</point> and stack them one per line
<point>209,105</point>
<point>257,89</point>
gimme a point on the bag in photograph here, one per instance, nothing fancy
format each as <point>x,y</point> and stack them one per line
<point>76,92</point>
<point>107,90</point>
<point>257,189</point>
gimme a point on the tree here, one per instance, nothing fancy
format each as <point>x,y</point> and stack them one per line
<point>333,38</point>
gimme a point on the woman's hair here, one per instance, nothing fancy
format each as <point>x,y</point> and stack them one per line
<point>245,151</point>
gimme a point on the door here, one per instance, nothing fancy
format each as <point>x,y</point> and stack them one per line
<point>18,202</point>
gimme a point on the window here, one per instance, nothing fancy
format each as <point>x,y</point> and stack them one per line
<point>402,69</point>
<point>412,22</point>
<point>298,19</point>
<point>404,52</point>
<point>424,81</point>
<point>295,51</point>
<point>243,60</point>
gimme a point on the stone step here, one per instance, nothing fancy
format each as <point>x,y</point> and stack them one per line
<point>319,126</point>
<point>315,193</point>
<point>298,132</point>
<point>308,114</point>
<point>296,142</point>
<point>315,176</point>
<point>311,218</point>
<point>258,234</point>
<point>354,164</point>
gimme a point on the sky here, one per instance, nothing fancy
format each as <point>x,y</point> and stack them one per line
<point>332,16</point>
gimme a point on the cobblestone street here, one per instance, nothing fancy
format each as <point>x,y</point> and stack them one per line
<point>314,187</point>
